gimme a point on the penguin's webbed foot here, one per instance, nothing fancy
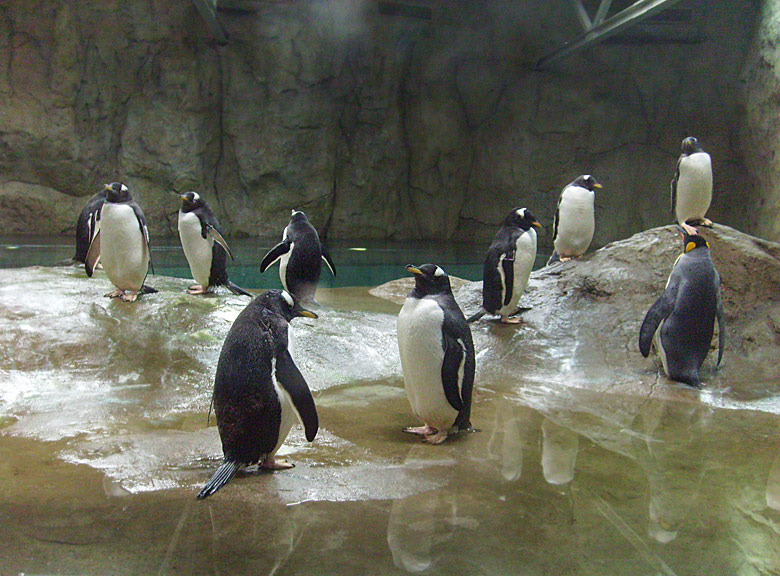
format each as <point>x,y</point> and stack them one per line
<point>564,258</point>
<point>115,294</point>
<point>129,296</point>
<point>512,320</point>
<point>420,430</point>
<point>197,289</point>
<point>706,222</point>
<point>437,438</point>
<point>274,464</point>
<point>690,230</point>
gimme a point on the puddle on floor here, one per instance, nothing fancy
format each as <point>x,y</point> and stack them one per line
<point>104,444</point>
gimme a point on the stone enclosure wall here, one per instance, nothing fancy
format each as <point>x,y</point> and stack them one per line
<point>378,126</point>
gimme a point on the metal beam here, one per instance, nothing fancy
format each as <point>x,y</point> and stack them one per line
<point>582,14</point>
<point>601,13</point>
<point>637,12</point>
<point>208,11</point>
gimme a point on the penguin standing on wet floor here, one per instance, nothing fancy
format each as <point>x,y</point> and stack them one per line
<point>508,265</point>
<point>121,244</point>
<point>87,225</point>
<point>258,390</point>
<point>300,255</point>
<point>691,187</point>
<point>575,219</point>
<point>437,355</point>
<point>681,322</point>
<point>204,247</point>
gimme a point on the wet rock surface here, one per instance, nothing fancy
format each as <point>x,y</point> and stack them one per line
<point>586,461</point>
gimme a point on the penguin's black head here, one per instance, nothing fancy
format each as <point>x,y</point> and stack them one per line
<point>429,279</point>
<point>691,145</point>
<point>298,216</point>
<point>586,181</point>
<point>692,241</point>
<point>522,218</point>
<point>285,304</point>
<point>190,201</point>
<point>117,192</point>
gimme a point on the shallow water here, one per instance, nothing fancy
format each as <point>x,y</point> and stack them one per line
<point>104,443</point>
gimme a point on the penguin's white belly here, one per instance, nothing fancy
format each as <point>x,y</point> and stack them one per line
<point>284,259</point>
<point>197,249</point>
<point>576,222</point>
<point>123,250</point>
<point>660,347</point>
<point>420,345</point>
<point>525,256</point>
<point>694,187</point>
<point>289,413</point>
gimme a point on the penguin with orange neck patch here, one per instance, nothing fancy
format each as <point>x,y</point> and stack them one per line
<point>682,321</point>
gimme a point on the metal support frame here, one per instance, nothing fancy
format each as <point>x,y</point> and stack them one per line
<point>208,11</point>
<point>601,28</point>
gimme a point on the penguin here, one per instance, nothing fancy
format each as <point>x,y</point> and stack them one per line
<point>575,219</point>
<point>258,390</point>
<point>300,253</point>
<point>121,244</point>
<point>508,265</point>
<point>204,247</point>
<point>691,187</point>
<point>87,225</point>
<point>437,355</point>
<point>682,320</point>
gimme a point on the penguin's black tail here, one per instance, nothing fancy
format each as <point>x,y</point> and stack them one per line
<point>235,289</point>
<point>147,290</point>
<point>476,316</point>
<point>553,258</point>
<point>222,476</point>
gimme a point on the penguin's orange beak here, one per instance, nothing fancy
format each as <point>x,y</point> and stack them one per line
<point>106,187</point>
<point>597,185</point>
<point>413,269</point>
<point>536,225</point>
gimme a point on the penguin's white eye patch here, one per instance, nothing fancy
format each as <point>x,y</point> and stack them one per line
<point>439,272</point>
<point>195,196</point>
<point>521,212</point>
<point>288,299</point>
<point>124,188</point>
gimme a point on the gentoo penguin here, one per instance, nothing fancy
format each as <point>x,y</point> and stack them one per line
<point>508,265</point>
<point>437,355</point>
<point>682,320</point>
<point>691,187</point>
<point>575,219</point>
<point>204,246</point>
<point>121,244</point>
<point>300,253</point>
<point>258,390</point>
<point>87,225</point>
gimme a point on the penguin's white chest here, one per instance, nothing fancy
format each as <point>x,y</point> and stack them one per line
<point>197,249</point>
<point>694,187</point>
<point>289,413</point>
<point>284,259</point>
<point>123,249</point>
<point>420,345</point>
<point>576,221</point>
<point>525,256</point>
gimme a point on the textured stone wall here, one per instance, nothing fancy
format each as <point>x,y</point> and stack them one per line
<point>377,126</point>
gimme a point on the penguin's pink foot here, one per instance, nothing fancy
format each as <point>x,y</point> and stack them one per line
<point>274,464</point>
<point>508,320</point>
<point>564,258</point>
<point>690,230</point>
<point>115,294</point>
<point>706,222</point>
<point>129,296</point>
<point>421,430</point>
<point>197,289</point>
<point>437,438</point>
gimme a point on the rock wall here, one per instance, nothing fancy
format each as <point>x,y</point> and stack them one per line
<point>378,126</point>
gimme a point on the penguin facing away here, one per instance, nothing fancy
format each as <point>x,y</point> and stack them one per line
<point>300,255</point>
<point>87,225</point>
<point>258,390</point>
<point>508,265</point>
<point>204,247</point>
<point>691,187</point>
<point>121,244</point>
<point>681,321</point>
<point>575,219</point>
<point>437,355</point>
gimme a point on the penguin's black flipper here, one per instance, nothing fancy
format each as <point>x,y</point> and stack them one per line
<point>235,289</point>
<point>721,327</point>
<point>222,476</point>
<point>214,233</point>
<point>93,255</point>
<point>291,379</point>
<point>658,311</point>
<point>508,265</point>
<point>327,259</point>
<point>454,352</point>
<point>476,316</point>
<point>274,254</point>
<point>673,189</point>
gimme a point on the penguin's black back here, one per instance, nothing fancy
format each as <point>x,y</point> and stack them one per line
<point>492,287</point>
<point>245,401</point>
<point>90,212</point>
<point>305,264</point>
